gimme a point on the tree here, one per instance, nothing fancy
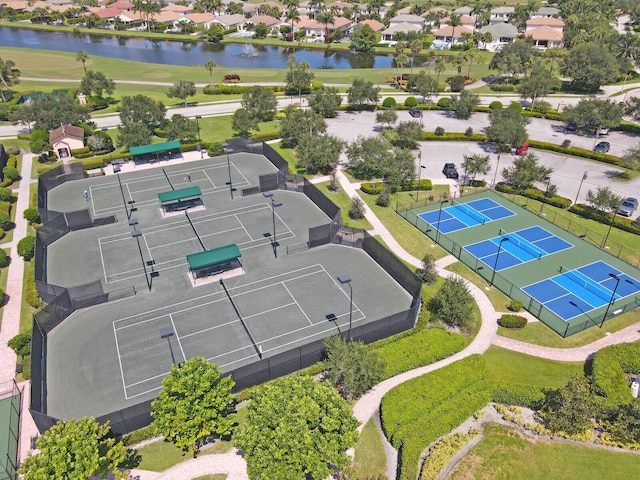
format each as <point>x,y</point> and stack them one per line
<point>32,216</point>
<point>50,111</point>
<point>590,66</point>
<point>325,101</point>
<point>182,90</point>
<point>318,153</point>
<point>195,402</point>
<point>463,104</point>
<point>215,33</point>
<point>96,83</point>
<point>514,58</point>
<point>424,83</point>
<point>362,91</point>
<point>454,21</point>
<point>525,171</point>
<point>631,159</point>
<point>439,67</point>
<point>387,116</point>
<point>261,103</point>
<point>9,75</point>
<point>21,344</point>
<point>592,114</point>
<point>539,82</point>
<point>326,17</point>
<point>291,13</point>
<point>570,409</point>
<point>210,66</point>
<point>261,30</point>
<point>400,59</point>
<point>408,133</point>
<point>242,122</point>
<point>134,135</point>
<point>603,199</point>
<point>148,9</point>
<point>141,109</point>
<point>76,450</point>
<point>298,123</point>
<point>416,47</point>
<point>183,129</point>
<point>82,56</point>
<point>357,209</point>
<point>296,428</point>
<point>453,303</point>
<point>507,128</point>
<point>475,164</point>
<point>428,272</point>
<point>400,168</point>
<point>363,39</point>
<point>299,77</point>
<point>369,157</point>
<point>351,367</point>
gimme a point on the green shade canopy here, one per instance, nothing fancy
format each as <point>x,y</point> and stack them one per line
<point>154,148</point>
<point>213,257</point>
<point>178,195</point>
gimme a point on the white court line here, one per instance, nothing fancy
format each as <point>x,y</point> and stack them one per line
<point>177,337</point>
<point>240,222</point>
<point>130,196</point>
<point>104,267</point>
<point>93,207</point>
<point>147,245</point>
<point>194,238</point>
<point>115,335</point>
<point>208,178</point>
<point>211,328</point>
<point>296,302</point>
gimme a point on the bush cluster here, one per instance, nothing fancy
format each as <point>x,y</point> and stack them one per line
<point>512,321</point>
<point>441,135</point>
<point>443,452</point>
<point>536,194</point>
<point>609,368</point>
<point>32,296</point>
<point>389,102</point>
<point>231,78</point>
<point>621,223</point>
<point>512,393</point>
<point>220,89</point>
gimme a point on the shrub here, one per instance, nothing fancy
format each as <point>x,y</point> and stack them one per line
<point>443,452</point>
<point>468,132</point>
<point>31,292</point>
<point>609,367</point>
<point>21,344</point>
<point>357,208</point>
<point>26,247</point>
<point>5,195</point>
<point>495,105</point>
<point>410,102</point>
<point>11,173</point>
<point>502,87</point>
<point>215,149</point>
<point>566,143</point>
<point>512,321</point>
<point>515,305</point>
<point>444,103</point>
<point>4,258</point>
<point>456,83</point>
<point>231,78</point>
<point>389,102</point>
<point>384,198</point>
<point>5,221</point>
<point>372,188</point>
<point>31,215</point>
<point>439,131</point>
<point>516,106</point>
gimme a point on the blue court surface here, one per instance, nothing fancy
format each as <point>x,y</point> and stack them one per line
<point>462,215</point>
<point>517,247</point>
<point>576,292</point>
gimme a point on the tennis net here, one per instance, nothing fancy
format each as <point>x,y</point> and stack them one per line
<point>471,212</point>
<point>588,284</point>
<point>525,245</point>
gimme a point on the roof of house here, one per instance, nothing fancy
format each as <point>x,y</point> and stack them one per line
<point>547,11</point>
<point>538,21</point>
<point>235,19</point>
<point>168,17</point>
<point>448,31</point>
<point>66,131</point>
<point>503,10</point>
<point>545,33</point>
<point>311,24</point>
<point>130,15</point>
<point>200,18</point>
<point>268,20</point>
<point>121,4</point>
<point>176,8</point>
<point>340,4</point>
<point>500,30</point>
<point>463,10</point>
<point>16,4</point>
<point>407,19</point>
<point>106,13</point>
<point>402,27</point>
<point>375,25</point>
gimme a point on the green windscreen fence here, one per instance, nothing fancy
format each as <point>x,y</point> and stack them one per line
<point>179,195</point>
<point>154,148</point>
<point>213,257</point>
<point>10,397</point>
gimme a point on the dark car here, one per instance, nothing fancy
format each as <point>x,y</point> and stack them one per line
<point>571,127</point>
<point>627,207</point>
<point>450,171</point>
<point>415,112</point>
<point>602,147</point>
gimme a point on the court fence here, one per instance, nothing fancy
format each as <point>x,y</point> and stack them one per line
<point>11,395</point>
<point>544,314</point>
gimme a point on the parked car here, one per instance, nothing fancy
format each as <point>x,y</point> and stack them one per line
<point>450,171</point>
<point>602,147</point>
<point>523,149</point>
<point>571,127</point>
<point>415,112</point>
<point>603,131</point>
<point>628,207</point>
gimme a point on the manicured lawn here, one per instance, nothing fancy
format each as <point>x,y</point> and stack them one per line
<point>341,199</point>
<point>370,460</point>
<point>498,299</point>
<point>508,366</point>
<point>215,476</point>
<point>505,453</point>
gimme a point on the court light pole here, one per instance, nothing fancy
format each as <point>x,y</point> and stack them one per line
<point>274,204</point>
<point>198,117</point>
<point>495,265</point>
<point>613,219</point>
<point>167,332</point>
<point>137,234</point>
<point>420,167</point>
<point>229,151</point>
<point>584,177</point>
<point>546,191</point>
<point>346,279</point>
<point>613,297</point>
<point>442,202</point>
<point>116,170</point>
<point>495,175</point>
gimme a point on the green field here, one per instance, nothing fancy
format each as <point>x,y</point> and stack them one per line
<point>506,453</point>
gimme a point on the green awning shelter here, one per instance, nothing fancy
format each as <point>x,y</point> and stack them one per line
<point>154,149</point>
<point>176,196</point>
<point>216,256</point>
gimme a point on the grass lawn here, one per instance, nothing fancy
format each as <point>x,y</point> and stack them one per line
<point>370,460</point>
<point>3,284</point>
<point>505,453</point>
<point>341,199</point>
<point>213,476</point>
<point>508,366</point>
<point>498,299</point>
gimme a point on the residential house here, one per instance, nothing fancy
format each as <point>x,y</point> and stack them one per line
<point>201,19</point>
<point>501,35</point>
<point>230,21</point>
<point>388,35</point>
<point>339,7</point>
<point>546,32</point>
<point>107,13</point>
<point>463,11</point>
<point>551,22</point>
<point>501,14</point>
<point>16,5</point>
<point>122,5</point>
<point>465,21</point>
<point>546,12</point>
<point>316,29</point>
<point>410,19</point>
<point>448,35</point>
<point>172,7</point>
<point>375,25</point>
<point>269,21</point>
<point>133,17</point>
<point>66,138</point>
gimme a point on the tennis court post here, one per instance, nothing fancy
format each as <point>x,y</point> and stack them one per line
<point>244,325</point>
<point>344,278</point>
<point>613,297</point>
<point>495,265</point>
<point>442,202</point>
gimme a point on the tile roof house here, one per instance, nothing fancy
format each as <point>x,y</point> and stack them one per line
<point>411,19</point>
<point>177,8</point>
<point>201,19</point>
<point>463,10</point>
<point>501,35</point>
<point>545,37</point>
<point>388,35</point>
<point>269,21</point>
<point>501,14</point>
<point>447,36</point>
<point>230,21</point>
<point>465,20</point>
<point>546,12</point>
<point>375,25</point>
<point>66,138</point>
<point>315,28</point>
<point>121,5</point>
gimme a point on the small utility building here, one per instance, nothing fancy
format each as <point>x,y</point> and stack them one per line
<point>214,262</point>
<point>156,151</point>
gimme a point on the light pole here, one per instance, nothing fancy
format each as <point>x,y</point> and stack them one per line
<point>137,234</point>
<point>495,265</point>
<point>613,218</point>
<point>274,204</point>
<point>344,278</point>
<point>420,167</point>
<point>229,151</point>
<point>167,332</point>
<point>495,175</point>
<point>198,117</point>
<point>613,297</point>
<point>584,177</point>
<point>439,215</point>
<point>546,192</point>
<point>116,170</point>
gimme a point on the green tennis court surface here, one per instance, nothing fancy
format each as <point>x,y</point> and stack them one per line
<point>113,356</point>
<point>9,427</point>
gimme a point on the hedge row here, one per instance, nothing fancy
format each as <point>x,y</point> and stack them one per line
<point>534,193</point>
<point>419,411</point>
<point>609,367</point>
<point>587,211</point>
<point>221,89</point>
<point>454,137</point>
<point>375,188</point>
<point>512,321</point>
<point>31,292</point>
<point>423,348</point>
<point>521,394</point>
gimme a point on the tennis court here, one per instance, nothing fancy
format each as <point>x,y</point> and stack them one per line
<point>464,215</point>
<point>166,245</point>
<point>277,311</point>
<point>516,248</point>
<point>579,291</point>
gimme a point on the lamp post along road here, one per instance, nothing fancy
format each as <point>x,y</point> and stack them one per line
<point>346,279</point>
<point>420,167</point>
<point>495,175</point>
<point>584,177</point>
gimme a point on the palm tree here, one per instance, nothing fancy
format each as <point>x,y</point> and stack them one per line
<point>82,56</point>
<point>459,60</point>
<point>471,56</point>
<point>439,68</point>
<point>400,60</point>
<point>209,65</point>
<point>325,17</point>
<point>454,21</point>
<point>416,48</point>
<point>292,12</point>
<point>8,75</point>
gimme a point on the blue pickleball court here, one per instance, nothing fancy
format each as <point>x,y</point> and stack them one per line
<point>463,215</point>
